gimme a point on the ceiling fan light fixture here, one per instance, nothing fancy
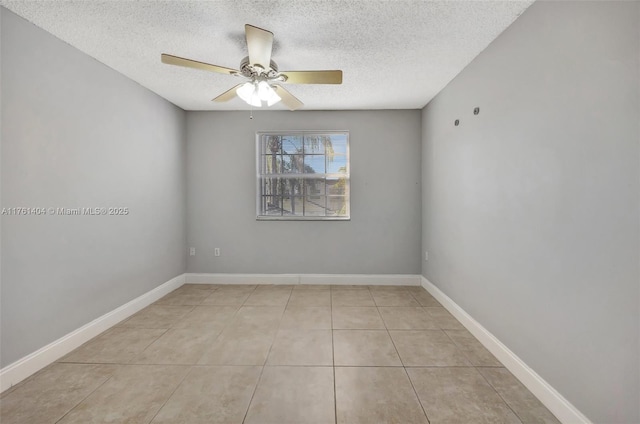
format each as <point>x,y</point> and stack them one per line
<point>249,93</point>
<point>267,93</point>
<point>273,99</point>
<point>254,93</point>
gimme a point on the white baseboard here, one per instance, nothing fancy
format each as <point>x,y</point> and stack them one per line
<point>337,279</point>
<point>204,278</point>
<point>16,372</point>
<point>362,279</point>
<point>554,401</point>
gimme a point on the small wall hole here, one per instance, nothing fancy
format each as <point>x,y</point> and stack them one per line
<point>476,111</point>
<point>457,122</point>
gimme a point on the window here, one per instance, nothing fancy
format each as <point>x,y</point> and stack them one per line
<point>303,175</point>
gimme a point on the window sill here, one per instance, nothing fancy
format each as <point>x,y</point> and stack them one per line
<point>303,218</point>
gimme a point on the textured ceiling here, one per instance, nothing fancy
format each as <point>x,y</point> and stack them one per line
<point>394,54</point>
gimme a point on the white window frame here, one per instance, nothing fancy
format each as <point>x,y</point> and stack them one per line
<point>261,175</point>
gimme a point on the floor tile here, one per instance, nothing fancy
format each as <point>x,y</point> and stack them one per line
<point>185,297</point>
<point>302,347</point>
<point>459,395</point>
<point>257,317</point>
<point>366,395</point>
<point>157,316</point>
<point>293,395</point>
<point>310,298</point>
<point>309,317</point>
<point>207,318</point>
<point>407,318</point>
<point>425,299</point>
<point>393,298</point>
<point>416,289</point>
<point>239,347</point>
<point>351,298</point>
<point>312,287</point>
<point>51,393</point>
<point>364,348</point>
<point>271,287</point>
<point>134,394</point>
<point>178,346</point>
<point>339,287</point>
<point>211,395</point>
<point>475,352</point>
<point>228,296</point>
<point>238,287</point>
<point>388,289</point>
<point>528,408</point>
<point>429,348</point>
<point>356,317</point>
<point>119,345</point>
<point>444,319</point>
<point>269,297</point>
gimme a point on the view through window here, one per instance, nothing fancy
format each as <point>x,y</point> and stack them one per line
<point>303,175</point>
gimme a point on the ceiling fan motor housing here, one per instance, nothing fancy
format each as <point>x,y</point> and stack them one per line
<point>252,71</point>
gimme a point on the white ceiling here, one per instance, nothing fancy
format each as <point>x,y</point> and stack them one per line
<point>394,54</point>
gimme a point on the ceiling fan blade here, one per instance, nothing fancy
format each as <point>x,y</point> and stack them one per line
<point>227,95</point>
<point>259,44</point>
<point>288,99</point>
<point>181,61</point>
<point>313,77</point>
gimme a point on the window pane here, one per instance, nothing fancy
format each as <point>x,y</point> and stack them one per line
<point>272,144</point>
<point>272,164</point>
<point>314,164</point>
<point>271,186</point>
<point>271,205</point>
<point>336,186</point>
<point>314,144</point>
<point>336,206</point>
<point>314,186</point>
<point>292,187</point>
<point>314,206</point>
<point>292,164</point>
<point>292,144</point>
<point>338,144</point>
<point>292,206</point>
<point>336,164</point>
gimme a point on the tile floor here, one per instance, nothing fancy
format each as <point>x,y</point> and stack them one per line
<point>279,354</point>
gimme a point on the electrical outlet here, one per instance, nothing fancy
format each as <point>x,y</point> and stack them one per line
<point>192,251</point>
<point>426,256</point>
<point>216,251</point>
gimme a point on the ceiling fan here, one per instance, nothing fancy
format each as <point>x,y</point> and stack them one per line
<point>261,73</point>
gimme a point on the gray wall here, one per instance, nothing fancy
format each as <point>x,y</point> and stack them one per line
<point>383,236</point>
<point>77,134</point>
<point>530,209</point>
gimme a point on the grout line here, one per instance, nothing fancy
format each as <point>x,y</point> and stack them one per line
<point>172,392</point>
<point>248,296</point>
<point>137,355</point>
<point>498,393</point>
<point>333,358</point>
<point>85,398</point>
<point>404,368</point>
<point>416,393</point>
<point>255,389</point>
